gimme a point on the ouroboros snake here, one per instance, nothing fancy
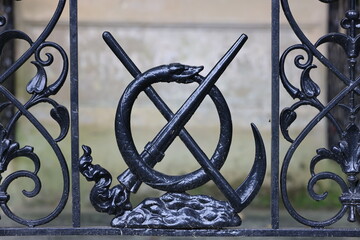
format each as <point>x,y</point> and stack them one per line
<point>168,73</point>
<point>181,74</point>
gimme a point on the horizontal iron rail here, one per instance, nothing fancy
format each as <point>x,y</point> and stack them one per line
<point>290,232</point>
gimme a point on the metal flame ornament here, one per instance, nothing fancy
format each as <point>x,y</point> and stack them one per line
<point>175,209</point>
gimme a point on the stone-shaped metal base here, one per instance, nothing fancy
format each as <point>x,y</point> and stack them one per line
<point>179,210</point>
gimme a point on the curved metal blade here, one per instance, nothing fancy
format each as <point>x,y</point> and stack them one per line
<point>253,182</point>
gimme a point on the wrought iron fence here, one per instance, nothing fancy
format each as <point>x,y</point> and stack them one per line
<point>177,213</point>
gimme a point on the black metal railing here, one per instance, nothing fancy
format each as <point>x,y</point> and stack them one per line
<point>177,213</point>
<point>39,92</point>
<point>344,153</point>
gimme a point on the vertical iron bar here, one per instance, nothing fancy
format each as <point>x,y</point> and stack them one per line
<point>74,75</point>
<point>275,42</point>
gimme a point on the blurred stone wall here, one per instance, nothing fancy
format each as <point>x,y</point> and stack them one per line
<point>155,32</point>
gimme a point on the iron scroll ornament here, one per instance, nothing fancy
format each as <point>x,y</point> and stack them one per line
<point>346,152</point>
<point>140,165</point>
<point>40,92</point>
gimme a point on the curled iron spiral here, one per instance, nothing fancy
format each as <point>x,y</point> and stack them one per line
<point>40,92</point>
<point>346,153</point>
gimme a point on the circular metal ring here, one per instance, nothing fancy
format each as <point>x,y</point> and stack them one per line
<point>153,178</point>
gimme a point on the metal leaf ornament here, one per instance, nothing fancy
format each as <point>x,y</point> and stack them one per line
<point>10,150</point>
<point>308,86</point>
<point>287,117</point>
<point>61,115</point>
<point>347,151</point>
<point>38,83</point>
<point>4,147</point>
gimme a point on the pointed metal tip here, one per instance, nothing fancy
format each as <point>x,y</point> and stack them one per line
<point>222,64</point>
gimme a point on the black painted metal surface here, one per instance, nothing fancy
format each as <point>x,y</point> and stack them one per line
<point>39,89</point>
<point>7,58</point>
<point>173,210</point>
<point>177,213</point>
<point>346,152</point>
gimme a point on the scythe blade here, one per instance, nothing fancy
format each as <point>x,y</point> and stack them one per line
<point>253,182</point>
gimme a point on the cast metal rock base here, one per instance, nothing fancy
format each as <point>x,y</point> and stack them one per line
<point>179,210</point>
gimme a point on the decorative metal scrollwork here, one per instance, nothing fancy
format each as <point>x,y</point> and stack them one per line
<point>40,90</point>
<point>347,152</point>
<point>175,209</point>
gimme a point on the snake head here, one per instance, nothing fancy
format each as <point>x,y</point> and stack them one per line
<point>183,73</point>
